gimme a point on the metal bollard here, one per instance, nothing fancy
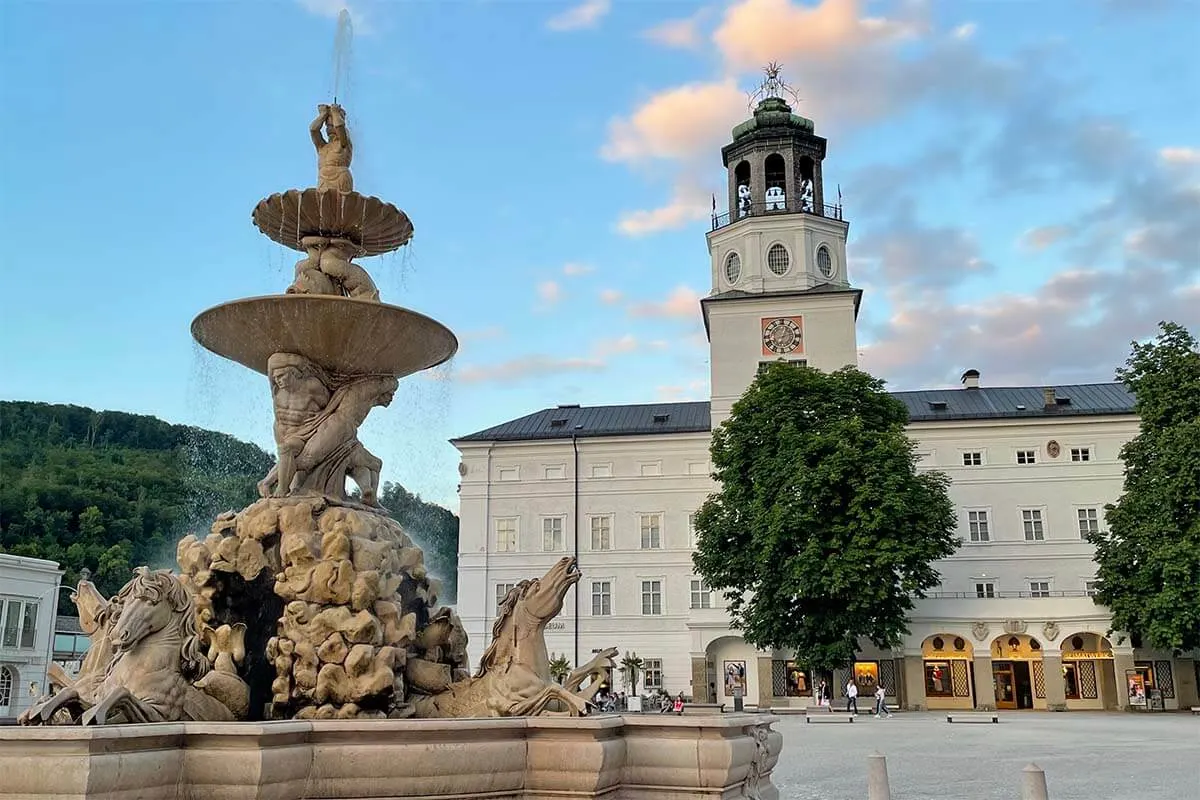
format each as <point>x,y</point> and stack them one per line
<point>1033,783</point>
<point>877,778</point>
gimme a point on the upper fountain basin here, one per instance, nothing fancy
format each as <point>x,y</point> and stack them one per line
<point>341,334</point>
<point>370,223</point>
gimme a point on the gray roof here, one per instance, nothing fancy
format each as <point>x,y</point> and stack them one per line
<point>925,405</point>
<point>67,624</point>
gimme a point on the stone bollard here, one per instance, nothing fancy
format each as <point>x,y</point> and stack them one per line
<point>877,778</point>
<point>1033,783</point>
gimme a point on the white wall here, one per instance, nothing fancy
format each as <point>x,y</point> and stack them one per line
<point>24,580</point>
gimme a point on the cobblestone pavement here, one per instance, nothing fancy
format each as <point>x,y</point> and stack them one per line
<point>1086,756</point>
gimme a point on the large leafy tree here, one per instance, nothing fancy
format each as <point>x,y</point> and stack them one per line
<point>823,530</point>
<point>1149,558</point>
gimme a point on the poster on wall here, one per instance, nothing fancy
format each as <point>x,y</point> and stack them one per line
<point>735,677</point>
<point>1137,688</point>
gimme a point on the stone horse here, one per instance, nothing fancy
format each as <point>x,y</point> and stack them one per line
<point>155,657</point>
<point>513,679</point>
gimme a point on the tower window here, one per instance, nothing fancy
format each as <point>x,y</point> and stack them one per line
<point>733,267</point>
<point>777,259</point>
<point>775,173</point>
<point>825,261</point>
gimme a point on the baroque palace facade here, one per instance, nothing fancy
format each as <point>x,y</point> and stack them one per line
<point>1013,624</point>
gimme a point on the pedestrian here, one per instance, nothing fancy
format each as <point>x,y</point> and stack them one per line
<point>851,696</point>
<point>679,704</point>
<point>881,709</point>
<point>823,696</point>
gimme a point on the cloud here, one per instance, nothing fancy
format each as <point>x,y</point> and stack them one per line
<point>609,347</point>
<point>680,123</point>
<point>688,203</point>
<point>965,31</point>
<point>694,390</point>
<point>902,252</point>
<point>549,293</point>
<point>585,15</point>
<point>527,367</point>
<point>610,296</point>
<point>481,335</point>
<point>679,33</point>
<point>573,270</point>
<point>1189,156</point>
<point>682,302</point>
<point>1044,236</point>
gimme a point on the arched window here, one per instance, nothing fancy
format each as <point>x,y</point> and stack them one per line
<point>741,173</point>
<point>733,267</point>
<point>741,180</point>
<point>6,687</point>
<point>807,169</point>
<point>775,175</point>
<point>825,262</point>
<point>778,259</point>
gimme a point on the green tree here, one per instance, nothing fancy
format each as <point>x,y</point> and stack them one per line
<point>1149,558</point>
<point>631,669</point>
<point>560,667</point>
<point>823,531</point>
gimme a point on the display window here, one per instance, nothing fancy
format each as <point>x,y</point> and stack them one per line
<point>938,681</point>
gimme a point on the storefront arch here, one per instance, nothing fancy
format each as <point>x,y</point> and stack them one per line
<point>732,664</point>
<point>1089,677</point>
<point>948,667</point>
<point>1018,674</point>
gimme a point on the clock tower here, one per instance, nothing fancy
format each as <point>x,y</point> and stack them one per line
<point>779,285</point>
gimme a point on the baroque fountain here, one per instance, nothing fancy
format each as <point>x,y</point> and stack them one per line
<point>300,651</point>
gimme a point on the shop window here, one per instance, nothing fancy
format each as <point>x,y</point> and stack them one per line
<point>938,679</point>
<point>798,684</point>
<point>866,676</point>
<point>1070,673</point>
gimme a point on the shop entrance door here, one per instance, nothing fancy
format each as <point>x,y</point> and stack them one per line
<point>1003,680</point>
<point>1023,683</point>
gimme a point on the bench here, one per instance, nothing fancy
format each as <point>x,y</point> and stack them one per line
<point>973,716</point>
<point>824,715</point>
<point>703,708</point>
<point>1196,709</point>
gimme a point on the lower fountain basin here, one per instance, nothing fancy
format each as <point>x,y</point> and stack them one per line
<point>613,757</point>
<point>341,334</point>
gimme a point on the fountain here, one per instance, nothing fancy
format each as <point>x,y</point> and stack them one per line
<point>301,651</point>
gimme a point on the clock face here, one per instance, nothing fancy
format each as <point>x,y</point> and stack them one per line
<point>782,335</point>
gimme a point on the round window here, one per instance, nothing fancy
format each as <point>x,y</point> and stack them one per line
<point>825,261</point>
<point>777,259</point>
<point>733,267</point>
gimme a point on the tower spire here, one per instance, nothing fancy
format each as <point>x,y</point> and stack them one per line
<point>773,87</point>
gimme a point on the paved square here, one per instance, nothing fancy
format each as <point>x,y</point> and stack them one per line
<point>1086,756</point>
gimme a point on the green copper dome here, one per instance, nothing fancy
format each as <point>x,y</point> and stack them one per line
<point>773,112</point>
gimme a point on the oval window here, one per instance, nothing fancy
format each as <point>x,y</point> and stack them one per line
<point>778,260</point>
<point>733,267</point>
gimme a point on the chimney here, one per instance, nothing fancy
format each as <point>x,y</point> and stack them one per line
<point>970,379</point>
<point>1048,397</point>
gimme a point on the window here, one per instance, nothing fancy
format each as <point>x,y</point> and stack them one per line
<point>977,524</point>
<point>701,594</point>
<point>601,533</point>
<point>6,687</point>
<point>651,469</point>
<point>1026,456</point>
<point>691,530</point>
<point>825,262</point>
<point>652,597</point>
<point>985,589</point>
<point>938,682</point>
<point>798,684</point>
<point>601,598</point>
<point>733,267</point>
<point>19,623</point>
<point>651,531</point>
<point>1031,519</point>
<point>1089,521</point>
<point>506,535</point>
<point>509,474</point>
<point>601,470</point>
<point>1039,588</point>
<point>1090,588</point>
<point>778,260</point>
<point>973,459</point>
<point>1081,454</point>
<point>555,472</point>
<point>502,590</point>
<point>552,534</point>
<point>1070,673</point>
<point>652,669</point>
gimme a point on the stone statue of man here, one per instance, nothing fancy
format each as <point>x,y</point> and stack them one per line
<point>334,153</point>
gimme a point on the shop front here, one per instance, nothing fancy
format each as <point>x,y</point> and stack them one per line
<point>1018,673</point>
<point>1088,675</point>
<point>947,664</point>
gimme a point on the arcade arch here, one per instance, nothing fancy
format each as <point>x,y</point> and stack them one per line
<point>947,660</point>
<point>1018,673</point>
<point>1088,674</point>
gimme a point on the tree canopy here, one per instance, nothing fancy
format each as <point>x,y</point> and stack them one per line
<point>1149,558</point>
<point>823,531</point>
<point>110,491</point>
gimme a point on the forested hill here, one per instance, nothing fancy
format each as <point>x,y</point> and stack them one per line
<point>109,491</point>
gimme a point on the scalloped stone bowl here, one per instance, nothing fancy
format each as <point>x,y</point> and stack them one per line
<point>374,225</point>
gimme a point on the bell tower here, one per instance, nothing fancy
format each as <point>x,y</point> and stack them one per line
<point>780,289</point>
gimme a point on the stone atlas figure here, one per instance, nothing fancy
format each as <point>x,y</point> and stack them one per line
<point>311,602</point>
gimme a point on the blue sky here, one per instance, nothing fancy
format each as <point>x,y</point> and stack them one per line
<point>1022,181</point>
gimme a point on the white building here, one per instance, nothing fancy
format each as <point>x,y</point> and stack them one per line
<point>1013,624</point>
<point>28,597</point>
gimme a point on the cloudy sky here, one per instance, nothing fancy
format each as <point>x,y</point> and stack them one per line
<point>1022,182</point>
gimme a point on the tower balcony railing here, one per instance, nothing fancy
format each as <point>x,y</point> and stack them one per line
<point>770,208</point>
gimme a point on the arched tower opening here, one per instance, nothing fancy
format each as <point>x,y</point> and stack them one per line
<point>775,178</point>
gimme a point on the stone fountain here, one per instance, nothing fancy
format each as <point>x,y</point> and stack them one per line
<point>300,644</point>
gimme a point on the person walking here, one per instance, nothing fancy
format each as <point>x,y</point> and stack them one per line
<point>881,709</point>
<point>851,696</point>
